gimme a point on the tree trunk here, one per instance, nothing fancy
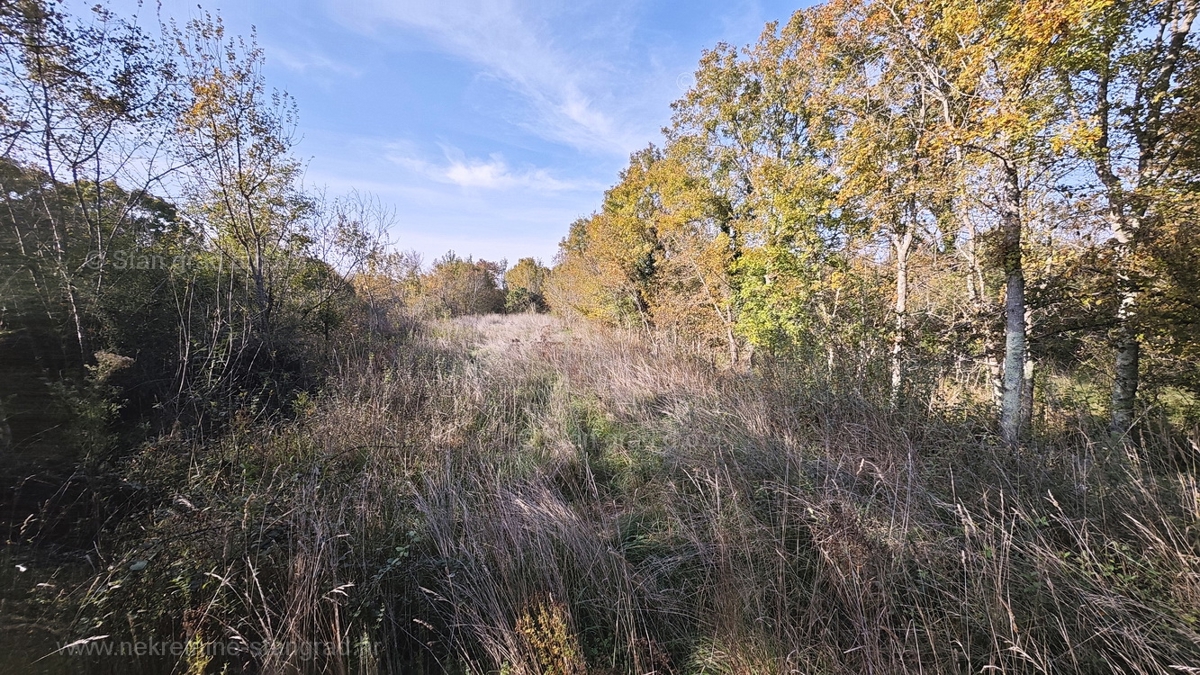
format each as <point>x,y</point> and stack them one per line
<point>1014,309</point>
<point>1027,383</point>
<point>901,243</point>
<point>1125,227</point>
<point>1125,384</point>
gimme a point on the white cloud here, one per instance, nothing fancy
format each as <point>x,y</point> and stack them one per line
<point>563,84</point>
<point>492,173</point>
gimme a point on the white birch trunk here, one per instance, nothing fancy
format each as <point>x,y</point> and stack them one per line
<point>901,243</point>
<point>1014,309</point>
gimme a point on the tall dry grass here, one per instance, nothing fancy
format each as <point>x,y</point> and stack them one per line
<point>513,495</point>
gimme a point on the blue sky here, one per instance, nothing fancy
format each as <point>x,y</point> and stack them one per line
<point>487,125</point>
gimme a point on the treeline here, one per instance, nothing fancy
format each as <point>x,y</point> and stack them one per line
<point>454,286</point>
<point>916,196</point>
<point>162,263</point>
<point>162,260</point>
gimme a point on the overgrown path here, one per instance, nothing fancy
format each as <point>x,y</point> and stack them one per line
<point>520,494</point>
<point>516,334</point>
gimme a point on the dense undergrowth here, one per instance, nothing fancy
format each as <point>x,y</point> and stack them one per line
<point>505,495</point>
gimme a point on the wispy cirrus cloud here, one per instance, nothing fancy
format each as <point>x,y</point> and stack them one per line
<point>569,87</point>
<point>492,173</point>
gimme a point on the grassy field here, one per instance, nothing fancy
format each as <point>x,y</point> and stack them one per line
<point>509,494</point>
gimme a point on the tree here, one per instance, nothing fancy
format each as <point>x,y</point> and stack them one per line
<point>243,182</point>
<point>524,285</point>
<point>460,286</point>
<point>897,178</point>
<point>82,104</point>
<point>606,263</point>
<point>988,71</point>
<point>1126,74</point>
<point>753,127</point>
